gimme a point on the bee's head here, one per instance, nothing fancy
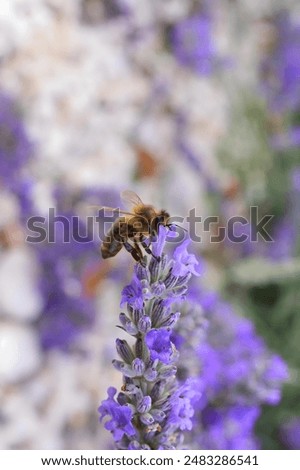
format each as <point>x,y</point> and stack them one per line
<point>162,218</point>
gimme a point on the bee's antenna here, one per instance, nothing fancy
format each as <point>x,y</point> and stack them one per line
<point>175,225</point>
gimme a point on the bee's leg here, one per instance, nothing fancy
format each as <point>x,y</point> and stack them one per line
<point>134,252</point>
<point>124,235</point>
<point>138,249</point>
<point>147,248</point>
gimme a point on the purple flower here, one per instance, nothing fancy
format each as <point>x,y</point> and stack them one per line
<point>158,341</point>
<point>184,262</point>
<point>182,409</point>
<point>133,294</point>
<point>161,407</point>
<point>192,43</point>
<point>159,243</point>
<point>121,416</point>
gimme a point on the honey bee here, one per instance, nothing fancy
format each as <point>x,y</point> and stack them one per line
<point>134,229</point>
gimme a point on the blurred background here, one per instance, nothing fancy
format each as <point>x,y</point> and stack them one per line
<point>192,104</point>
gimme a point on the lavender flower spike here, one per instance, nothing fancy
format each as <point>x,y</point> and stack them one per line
<point>153,409</point>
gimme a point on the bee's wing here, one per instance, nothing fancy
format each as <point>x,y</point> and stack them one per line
<point>130,197</point>
<point>112,209</point>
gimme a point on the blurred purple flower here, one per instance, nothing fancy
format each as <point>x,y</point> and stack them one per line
<point>287,140</point>
<point>290,433</point>
<point>63,318</point>
<point>236,373</point>
<point>192,43</point>
<point>286,230</point>
<point>296,179</point>
<point>281,69</point>
<point>67,311</point>
<point>229,427</point>
<point>284,236</point>
<point>182,410</point>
